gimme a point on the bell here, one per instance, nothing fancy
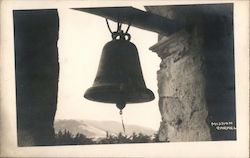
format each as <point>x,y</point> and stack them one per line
<point>119,77</point>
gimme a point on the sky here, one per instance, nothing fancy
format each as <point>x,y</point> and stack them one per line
<point>81,40</point>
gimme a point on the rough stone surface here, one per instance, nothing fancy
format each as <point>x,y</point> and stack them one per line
<point>181,89</point>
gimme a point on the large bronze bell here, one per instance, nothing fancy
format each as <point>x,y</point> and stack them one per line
<point>119,78</point>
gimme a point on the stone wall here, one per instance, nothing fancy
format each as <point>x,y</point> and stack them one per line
<point>196,76</point>
<point>181,88</point>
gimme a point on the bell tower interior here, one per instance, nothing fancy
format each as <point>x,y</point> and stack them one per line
<point>195,78</point>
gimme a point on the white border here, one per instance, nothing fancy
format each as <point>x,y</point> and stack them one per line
<point>239,148</point>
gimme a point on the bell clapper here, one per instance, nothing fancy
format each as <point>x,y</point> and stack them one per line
<point>120,106</point>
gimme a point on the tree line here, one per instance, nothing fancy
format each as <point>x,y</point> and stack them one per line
<point>65,137</point>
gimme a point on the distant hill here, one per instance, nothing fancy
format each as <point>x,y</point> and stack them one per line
<point>97,129</point>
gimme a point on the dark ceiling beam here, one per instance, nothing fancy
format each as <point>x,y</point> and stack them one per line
<point>137,18</point>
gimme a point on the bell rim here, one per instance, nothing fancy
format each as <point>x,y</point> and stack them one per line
<point>147,93</point>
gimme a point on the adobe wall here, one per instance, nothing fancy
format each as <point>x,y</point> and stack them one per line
<point>196,75</point>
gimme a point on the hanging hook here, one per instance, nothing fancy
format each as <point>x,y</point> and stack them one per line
<point>129,24</point>
<point>119,27</point>
<point>108,26</point>
<point>119,32</point>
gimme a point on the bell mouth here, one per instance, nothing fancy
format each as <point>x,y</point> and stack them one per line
<point>107,94</point>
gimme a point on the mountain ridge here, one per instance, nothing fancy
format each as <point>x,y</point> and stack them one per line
<point>98,129</point>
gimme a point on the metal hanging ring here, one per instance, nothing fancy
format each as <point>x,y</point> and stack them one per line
<point>128,36</point>
<point>122,36</point>
<point>119,33</point>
